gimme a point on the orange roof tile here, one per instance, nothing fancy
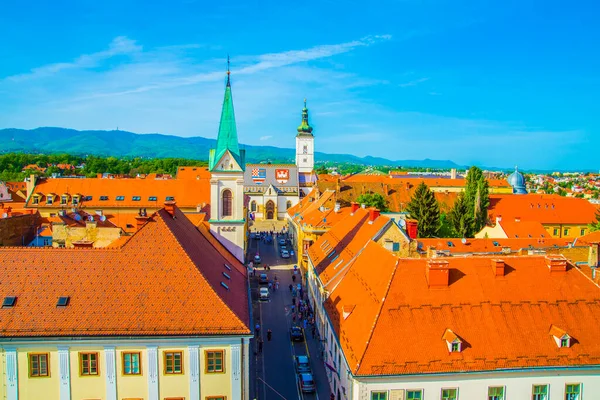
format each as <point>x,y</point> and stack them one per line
<point>544,208</point>
<point>475,246</point>
<point>592,237</point>
<point>188,193</point>
<point>167,279</point>
<point>398,321</point>
<point>415,181</point>
<point>522,229</point>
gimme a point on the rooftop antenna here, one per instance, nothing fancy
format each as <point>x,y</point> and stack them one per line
<point>228,71</point>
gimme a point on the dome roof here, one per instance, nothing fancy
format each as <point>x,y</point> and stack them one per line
<point>517,181</point>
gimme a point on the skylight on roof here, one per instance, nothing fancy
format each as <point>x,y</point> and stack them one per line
<point>227,266</point>
<point>136,198</point>
<point>495,243</point>
<point>152,198</point>
<point>102,198</point>
<point>170,198</point>
<point>450,244</point>
<point>226,275</point>
<point>9,301</point>
<point>120,198</point>
<point>63,301</point>
<point>224,285</point>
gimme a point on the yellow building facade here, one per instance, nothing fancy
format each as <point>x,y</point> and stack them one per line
<point>136,369</point>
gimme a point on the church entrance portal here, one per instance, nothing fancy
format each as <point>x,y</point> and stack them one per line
<point>270,208</point>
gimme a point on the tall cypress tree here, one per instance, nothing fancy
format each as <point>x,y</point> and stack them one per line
<point>461,218</point>
<point>477,198</point>
<point>423,207</point>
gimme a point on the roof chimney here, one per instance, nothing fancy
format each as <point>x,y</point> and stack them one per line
<point>556,263</point>
<point>498,219</point>
<point>498,267</point>
<point>517,219</point>
<point>354,207</point>
<point>337,207</point>
<point>593,255</point>
<point>170,207</point>
<point>437,273</point>
<point>373,214</point>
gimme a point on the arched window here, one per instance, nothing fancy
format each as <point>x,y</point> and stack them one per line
<point>288,204</point>
<point>227,203</point>
<point>253,206</point>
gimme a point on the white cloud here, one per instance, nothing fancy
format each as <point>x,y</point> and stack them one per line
<point>414,82</point>
<point>265,137</point>
<point>120,45</point>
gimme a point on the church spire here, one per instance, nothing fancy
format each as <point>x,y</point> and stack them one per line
<point>227,139</point>
<point>305,128</point>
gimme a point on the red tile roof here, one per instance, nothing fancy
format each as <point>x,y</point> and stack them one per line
<point>517,228</point>
<point>188,193</point>
<point>396,325</point>
<point>456,246</point>
<point>165,280</point>
<point>415,181</point>
<point>544,208</point>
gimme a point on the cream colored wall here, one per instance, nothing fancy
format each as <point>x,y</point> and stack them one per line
<point>132,386</point>
<point>493,232</point>
<point>394,234</point>
<point>2,374</point>
<point>174,385</point>
<point>66,235</point>
<point>87,387</point>
<point>46,211</point>
<point>38,388</point>
<point>215,384</point>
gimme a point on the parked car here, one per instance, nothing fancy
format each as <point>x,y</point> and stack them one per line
<point>306,382</point>
<point>285,254</point>
<point>263,294</point>
<point>257,236</point>
<point>282,242</point>
<point>257,259</point>
<point>263,279</point>
<point>302,364</point>
<point>296,334</point>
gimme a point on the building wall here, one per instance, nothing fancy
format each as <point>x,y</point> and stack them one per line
<point>18,230</point>
<point>53,211</point>
<point>64,235</point>
<point>232,383</point>
<point>230,231</point>
<point>568,231</point>
<point>305,161</point>
<point>517,385</point>
<point>491,232</point>
<point>280,205</point>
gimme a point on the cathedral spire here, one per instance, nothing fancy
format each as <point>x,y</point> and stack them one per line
<point>305,128</point>
<point>227,139</point>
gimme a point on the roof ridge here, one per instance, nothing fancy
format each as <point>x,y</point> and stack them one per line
<point>208,281</point>
<point>377,316</point>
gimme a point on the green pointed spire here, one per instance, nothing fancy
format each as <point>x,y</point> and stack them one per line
<point>227,139</point>
<point>305,128</point>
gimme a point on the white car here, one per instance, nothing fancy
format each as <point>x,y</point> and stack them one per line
<point>257,259</point>
<point>263,294</point>
<point>285,254</point>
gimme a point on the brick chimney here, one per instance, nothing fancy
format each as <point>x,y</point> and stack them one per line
<point>373,214</point>
<point>498,267</point>
<point>437,273</point>
<point>498,219</point>
<point>412,228</point>
<point>593,255</point>
<point>556,263</point>
<point>386,189</point>
<point>170,207</point>
<point>354,207</point>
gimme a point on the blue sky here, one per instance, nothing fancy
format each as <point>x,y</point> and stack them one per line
<point>484,82</point>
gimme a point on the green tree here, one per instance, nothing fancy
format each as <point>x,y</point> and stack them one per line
<point>423,207</point>
<point>373,200</point>
<point>595,226</point>
<point>461,217</point>
<point>477,197</point>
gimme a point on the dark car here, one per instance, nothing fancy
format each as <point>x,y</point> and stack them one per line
<point>302,364</point>
<point>263,279</point>
<point>296,334</point>
<point>306,382</point>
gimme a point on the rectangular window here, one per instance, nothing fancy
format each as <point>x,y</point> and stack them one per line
<point>215,398</point>
<point>496,393</point>
<point>378,395</point>
<point>555,231</point>
<point>214,361</point>
<point>566,231</point>
<point>38,365</point>
<point>573,391</point>
<point>49,200</point>
<point>63,199</point>
<point>88,364</point>
<point>540,392</point>
<point>449,394</point>
<point>414,394</point>
<point>395,246</point>
<point>173,362</point>
<point>582,232</point>
<point>36,200</point>
<point>131,364</point>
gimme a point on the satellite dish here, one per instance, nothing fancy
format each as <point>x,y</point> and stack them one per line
<point>102,218</point>
<point>90,218</point>
<point>463,241</point>
<point>77,217</point>
<point>402,223</point>
<point>5,215</point>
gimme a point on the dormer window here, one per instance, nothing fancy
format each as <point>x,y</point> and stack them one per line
<point>453,342</point>
<point>49,199</point>
<point>64,199</point>
<point>561,337</point>
<point>35,199</point>
<point>75,200</point>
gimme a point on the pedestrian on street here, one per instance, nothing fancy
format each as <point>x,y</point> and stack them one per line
<point>269,334</point>
<point>293,278</point>
<point>276,285</point>
<point>314,331</point>
<point>270,286</point>
<point>294,317</point>
<point>260,345</point>
<point>305,322</point>
<point>291,287</point>
<point>257,329</point>
<point>332,397</point>
<point>293,300</point>
<point>293,307</point>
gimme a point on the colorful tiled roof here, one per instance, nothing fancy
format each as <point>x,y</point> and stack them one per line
<point>544,208</point>
<point>167,279</point>
<point>517,228</point>
<point>470,246</point>
<point>431,182</point>
<point>503,321</point>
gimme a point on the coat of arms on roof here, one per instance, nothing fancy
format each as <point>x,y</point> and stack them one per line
<point>259,175</point>
<point>282,175</point>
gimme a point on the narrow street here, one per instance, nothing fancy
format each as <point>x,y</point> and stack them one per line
<point>275,375</point>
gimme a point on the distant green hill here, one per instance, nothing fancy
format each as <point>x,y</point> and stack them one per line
<point>50,140</point>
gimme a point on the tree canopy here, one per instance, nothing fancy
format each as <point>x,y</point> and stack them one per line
<point>423,207</point>
<point>373,200</point>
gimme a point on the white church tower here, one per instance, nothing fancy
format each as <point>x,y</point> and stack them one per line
<point>305,145</point>
<point>227,164</point>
